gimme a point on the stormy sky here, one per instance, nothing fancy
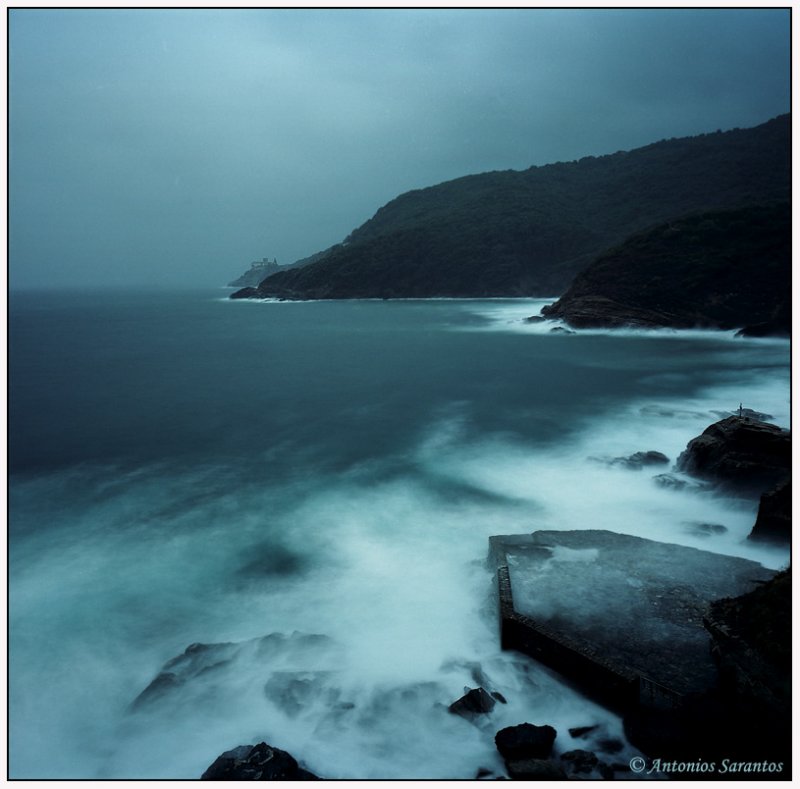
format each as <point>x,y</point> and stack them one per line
<point>174,147</point>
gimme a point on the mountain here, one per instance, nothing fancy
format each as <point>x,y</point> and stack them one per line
<point>722,269</point>
<point>528,233</point>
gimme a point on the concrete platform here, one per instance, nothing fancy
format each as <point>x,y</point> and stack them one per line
<point>619,616</point>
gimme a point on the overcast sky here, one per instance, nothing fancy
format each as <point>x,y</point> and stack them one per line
<point>157,147</point>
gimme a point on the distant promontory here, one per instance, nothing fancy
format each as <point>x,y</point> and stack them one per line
<point>529,233</point>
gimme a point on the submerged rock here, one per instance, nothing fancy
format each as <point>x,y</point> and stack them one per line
<point>210,671</point>
<point>745,454</point>
<point>476,702</point>
<point>580,761</point>
<point>525,741</point>
<point>702,529</point>
<point>535,770</point>
<point>579,732</point>
<point>259,762</point>
<point>674,482</point>
<point>639,460</point>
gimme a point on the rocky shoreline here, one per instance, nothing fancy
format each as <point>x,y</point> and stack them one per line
<point>746,712</point>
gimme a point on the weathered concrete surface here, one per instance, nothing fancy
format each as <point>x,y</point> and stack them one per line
<point>620,616</point>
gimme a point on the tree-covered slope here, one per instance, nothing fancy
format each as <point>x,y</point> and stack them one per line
<point>725,269</point>
<point>527,233</point>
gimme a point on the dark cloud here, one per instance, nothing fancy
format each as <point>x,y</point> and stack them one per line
<point>171,147</point>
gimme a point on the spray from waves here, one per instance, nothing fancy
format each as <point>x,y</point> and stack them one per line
<point>390,573</point>
<point>578,486</point>
<point>115,571</point>
<point>511,315</point>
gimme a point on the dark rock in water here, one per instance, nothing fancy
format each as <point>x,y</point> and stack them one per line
<point>535,770</point>
<point>196,660</point>
<point>499,696</point>
<point>261,762</point>
<point>483,773</point>
<point>209,671</point>
<point>774,520</point>
<point>674,482</point>
<point>535,319</point>
<point>163,683</point>
<point>525,741</point>
<point>639,460</point>
<point>579,761</point>
<point>606,771</point>
<point>745,454</point>
<point>476,702</point>
<point>700,529</point>
<point>561,330</point>
<point>610,745</point>
<point>294,691</point>
<point>247,293</point>
<point>579,732</point>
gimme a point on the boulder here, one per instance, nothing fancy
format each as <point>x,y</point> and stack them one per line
<point>674,482</point>
<point>525,741</point>
<point>740,453</point>
<point>535,770</point>
<point>702,529</point>
<point>259,762</point>
<point>639,460</point>
<point>475,702</point>
<point>579,732</point>
<point>774,520</point>
<point>579,760</point>
<point>205,672</point>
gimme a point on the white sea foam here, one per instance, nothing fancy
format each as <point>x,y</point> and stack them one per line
<point>114,572</point>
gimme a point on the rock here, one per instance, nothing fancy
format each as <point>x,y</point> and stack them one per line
<point>774,520</point>
<point>535,319</point>
<point>476,702</point>
<point>259,762</point>
<point>674,482</point>
<point>535,770</point>
<point>639,460</point>
<point>579,732</point>
<point>606,771</point>
<point>247,293</point>
<point>525,741</point>
<point>499,696</point>
<point>700,529</point>
<point>205,671</point>
<point>738,452</point>
<point>610,745</point>
<point>579,761</point>
<point>561,330</point>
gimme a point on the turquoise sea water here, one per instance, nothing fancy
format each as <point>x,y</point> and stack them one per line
<point>188,469</point>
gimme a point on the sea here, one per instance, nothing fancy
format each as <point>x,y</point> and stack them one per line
<point>310,486</point>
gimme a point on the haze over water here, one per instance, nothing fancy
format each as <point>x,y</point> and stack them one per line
<point>186,469</point>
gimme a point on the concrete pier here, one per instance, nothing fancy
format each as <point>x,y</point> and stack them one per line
<point>619,616</point>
